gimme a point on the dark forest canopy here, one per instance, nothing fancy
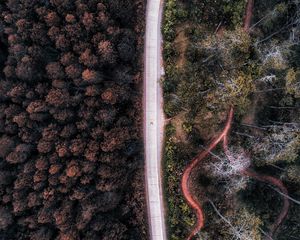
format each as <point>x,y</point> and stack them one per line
<point>70,144</point>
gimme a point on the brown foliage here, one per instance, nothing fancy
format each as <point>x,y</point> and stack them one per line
<point>6,217</point>
<point>66,121</point>
<point>106,52</point>
<point>88,59</point>
<point>57,97</point>
<point>109,96</point>
<point>55,70</point>
<point>7,145</point>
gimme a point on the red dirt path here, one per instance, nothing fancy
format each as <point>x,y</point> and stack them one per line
<point>248,16</point>
<point>186,175</point>
<point>194,203</point>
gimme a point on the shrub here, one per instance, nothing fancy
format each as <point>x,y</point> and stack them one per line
<point>281,144</point>
<point>170,15</point>
<point>292,84</point>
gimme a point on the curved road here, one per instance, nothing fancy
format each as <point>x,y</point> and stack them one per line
<point>153,120</point>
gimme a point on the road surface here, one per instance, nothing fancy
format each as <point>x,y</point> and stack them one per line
<point>153,120</point>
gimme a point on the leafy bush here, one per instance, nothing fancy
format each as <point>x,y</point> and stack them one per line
<point>293,82</point>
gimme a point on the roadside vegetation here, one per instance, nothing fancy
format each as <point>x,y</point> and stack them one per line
<point>259,75</point>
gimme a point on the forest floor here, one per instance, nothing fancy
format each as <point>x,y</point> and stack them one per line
<point>199,87</point>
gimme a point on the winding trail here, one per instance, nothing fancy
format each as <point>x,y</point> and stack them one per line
<point>223,136</point>
<point>193,202</point>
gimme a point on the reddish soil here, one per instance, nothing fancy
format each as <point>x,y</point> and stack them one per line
<point>248,15</point>
<point>194,203</point>
<point>223,136</point>
<point>186,175</point>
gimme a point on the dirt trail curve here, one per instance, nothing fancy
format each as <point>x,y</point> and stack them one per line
<point>186,175</point>
<point>187,172</point>
<point>153,120</point>
<point>193,202</point>
<point>223,136</point>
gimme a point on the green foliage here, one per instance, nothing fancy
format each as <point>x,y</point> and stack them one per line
<point>293,82</point>
<point>236,10</point>
<point>239,223</point>
<point>181,14</point>
<point>232,68</point>
<point>170,130</point>
<point>294,55</point>
<point>171,79</point>
<point>187,127</point>
<point>233,85</point>
<point>248,225</point>
<point>172,106</point>
<point>293,173</point>
<point>172,15</point>
<point>275,18</point>
<point>212,12</point>
<point>169,51</point>
<point>239,90</point>
<point>282,144</point>
<point>170,18</point>
<point>189,93</point>
<point>179,213</point>
<point>291,150</point>
<point>235,46</point>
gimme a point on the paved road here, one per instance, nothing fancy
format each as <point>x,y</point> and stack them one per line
<point>153,120</point>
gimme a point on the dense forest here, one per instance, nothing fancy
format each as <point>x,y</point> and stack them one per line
<point>212,65</point>
<point>71,153</point>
